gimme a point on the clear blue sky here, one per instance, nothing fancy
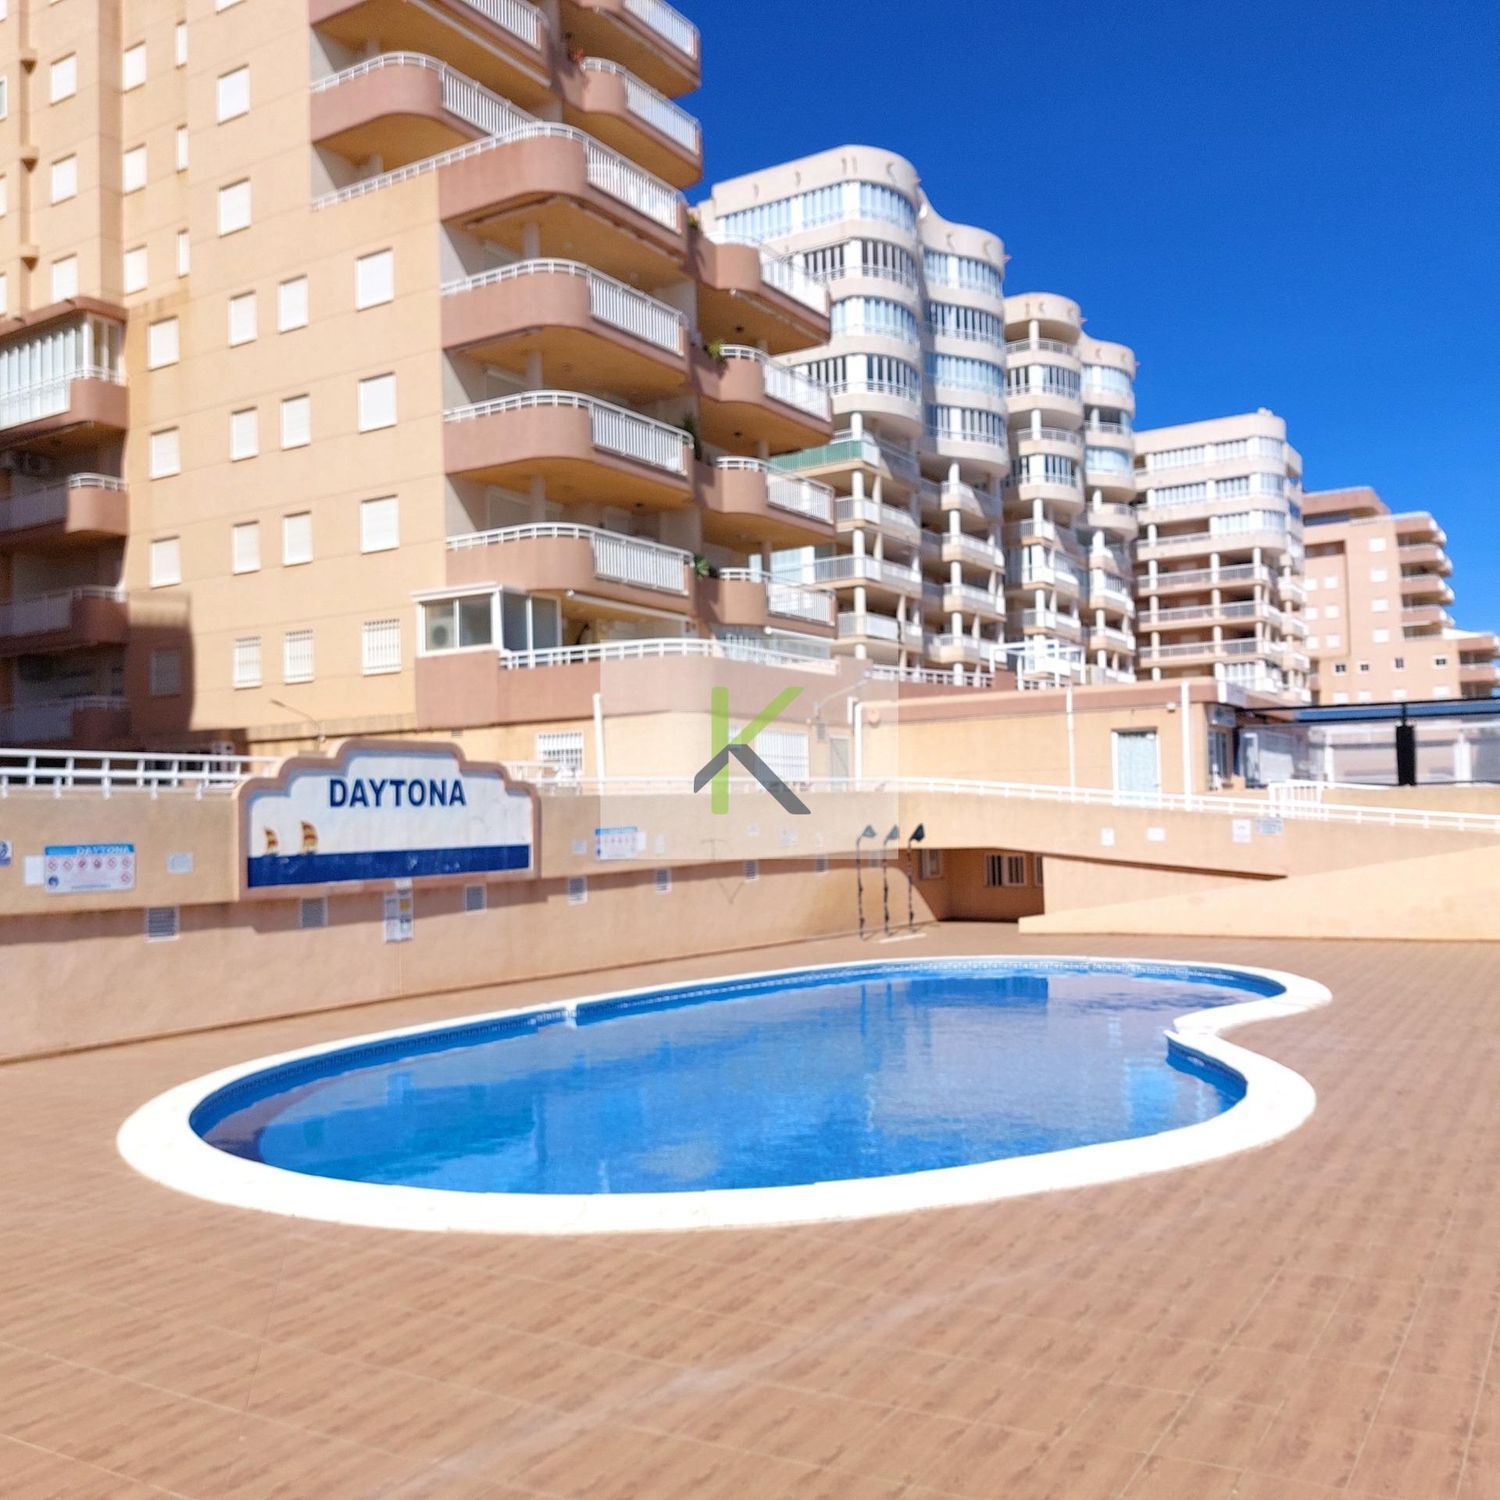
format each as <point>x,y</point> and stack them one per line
<point>1289,205</point>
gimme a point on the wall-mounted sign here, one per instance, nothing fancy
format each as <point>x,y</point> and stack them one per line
<point>5,852</point>
<point>385,812</point>
<point>618,843</point>
<point>1239,830</point>
<point>83,869</point>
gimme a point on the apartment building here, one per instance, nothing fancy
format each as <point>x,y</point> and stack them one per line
<point>1219,554</point>
<point>915,366</point>
<point>1377,616</point>
<point>342,384</point>
<point>1069,497</point>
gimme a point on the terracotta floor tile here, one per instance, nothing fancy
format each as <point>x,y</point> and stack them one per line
<point>1400,1462</point>
<point>1177,1479</point>
<point>1224,1433</point>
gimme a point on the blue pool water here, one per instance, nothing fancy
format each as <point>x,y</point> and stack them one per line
<point>776,1080</point>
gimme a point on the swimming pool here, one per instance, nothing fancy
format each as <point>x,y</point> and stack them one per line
<point>813,1093</point>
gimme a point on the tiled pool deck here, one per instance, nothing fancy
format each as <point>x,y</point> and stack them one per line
<point>1314,1319</point>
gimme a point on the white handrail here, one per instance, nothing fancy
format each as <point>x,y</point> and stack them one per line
<point>718,648</point>
<point>617,558</point>
<point>49,398</point>
<point>35,614</point>
<point>60,770</point>
<point>783,383</point>
<point>25,508</point>
<point>645,102</point>
<point>669,24</point>
<point>803,497</point>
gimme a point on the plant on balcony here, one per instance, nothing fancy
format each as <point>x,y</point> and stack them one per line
<point>702,568</point>
<point>576,56</point>
<point>690,426</point>
<point>714,348</point>
<point>694,223</point>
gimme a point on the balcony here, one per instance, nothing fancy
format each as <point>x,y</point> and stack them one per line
<point>1427,556</point>
<point>1207,651</point>
<point>861,514</point>
<point>1113,519</point>
<point>1108,593</point>
<point>748,502</point>
<point>625,112</point>
<point>965,599</point>
<point>1431,588</point>
<point>1054,623</point>
<point>873,573</point>
<point>1052,403</point>
<point>883,637</point>
<point>1199,616</point>
<point>1025,351</point>
<point>741,597</point>
<point>1479,674</point>
<point>572,316</point>
<point>962,649</point>
<point>1110,639</point>
<point>1053,573</point>
<point>1425,618</point>
<point>92,720</point>
<point>968,551</point>
<point>1263,539</point>
<point>504,44</point>
<point>747,396</point>
<point>1095,393</point>
<point>1047,440</point>
<point>653,40</point>
<point>583,449</point>
<point>66,620</point>
<point>1290,588</point>
<point>85,508</point>
<point>1200,580</point>
<point>592,571</point>
<point>749,294</point>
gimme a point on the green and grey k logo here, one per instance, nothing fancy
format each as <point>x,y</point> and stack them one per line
<point>715,773</point>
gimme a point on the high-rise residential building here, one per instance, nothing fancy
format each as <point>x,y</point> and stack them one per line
<point>1219,554</point>
<point>1069,497</point>
<point>1377,606</point>
<point>343,383</point>
<point>915,366</point>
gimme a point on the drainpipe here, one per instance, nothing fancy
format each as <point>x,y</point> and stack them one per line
<point>599,737</point>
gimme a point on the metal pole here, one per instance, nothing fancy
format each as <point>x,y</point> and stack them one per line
<point>859,884</point>
<point>911,882</point>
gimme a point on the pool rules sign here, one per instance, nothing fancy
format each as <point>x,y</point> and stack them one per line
<point>386,812</point>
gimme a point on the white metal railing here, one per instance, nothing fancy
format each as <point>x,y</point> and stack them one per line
<point>1235,647</point>
<point>1032,531</point>
<point>960,641</point>
<point>47,506</point>
<point>612,428</point>
<point>1111,637</point>
<point>789,278</point>
<point>669,24</point>
<point>610,301</point>
<point>1239,610</point>
<point>1048,435</point>
<point>876,627</point>
<point>606,170</point>
<point>53,611</point>
<point>718,648</point>
<point>972,549</point>
<point>49,398</point>
<point>1220,804</point>
<point>38,723</point>
<point>1040,346</point>
<point>644,102</point>
<point>472,102</point>
<point>514,16</point>
<point>1203,577</point>
<point>1110,593</point>
<point>617,558</point>
<point>57,771</point>
<point>1110,512</point>
<point>784,491</point>
<point>967,596</point>
<point>793,602</point>
<point>877,513</point>
<point>929,676</point>
<point>782,383</point>
<point>863,569</point>
<point>1222,541</point>
<point>1110,427</point>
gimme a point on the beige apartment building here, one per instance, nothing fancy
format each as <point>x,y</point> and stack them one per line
<point>1377,616</point>
<point>346,386</point>
<point>1219,555</point>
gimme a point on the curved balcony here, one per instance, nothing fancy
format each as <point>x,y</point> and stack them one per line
<point>1430,588</point>
<point>1110,397</point>
<point>1043,351</point>
<point>882,637</point>
<point>1062,499</point>
<point>1055,405</point>
<point>1054,576</point>
<point>962,649</point>
<point>79,408</point>
<point>85,508</point>
<point>1107,477</point>
<point>877,575</point>
<point>90,720</point>
<point>747,397</point>
<point>1109,639</point>
<point>1236,576</point>
<point>748,502</point>
<point>1110,595</point>
<point>749,294</point>
<point>651,38</point>
<point>896,406</point>
<point>66,620</point>
<point>1064,441</point>
<point>741,599</point>
<point>504,44</point>
<point>892,521</point>
<point>573,317</point>
<point>625,112</point>
<point>1056,319</point>
<point>968,551</point>
<point>1113,518</point>
<point>1052,622</point>
<point>965,599</point>
<point>592,571</point>
<point>584,449</point>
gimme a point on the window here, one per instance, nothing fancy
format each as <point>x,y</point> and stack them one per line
<point>182,148</point>
<point>133,67</point>
<point>242,318</point>
<point>1333,641</point>
<point>752,871</point>
<point>1399,664</point>
<point>64,179</point>
<point>1379,575</point>
<point>234,207</point>
<point>166,674</point>
<point>578,890</point>
<point>247,662</point>
<point>296,538</point>
<point>165,456</point>
<point>1004,869</point>
<point>1333,611</point>
<point>133,170</point>
<point>1380,637</point>
<point>930,864</point>
<point>312,912</point>
<point>461,624</point>
<point>166,561</point>
<point>162,924</point>
<point>374,279</point>
<point>245,547</point>
<point>161,343</point>
<point>561,749</point>
<point>1440,661</point>
<point>244,433</point>
<point>1037,877</point>
<point>1310,614</point>
<point>297,656</point>
<point>377,402</point>
<point>1341,669</point>
<point>184,252</point>
<point>296,422</point>
<point>663,882</point>
<point>1377,544</point>
<point>179,44</point>
<point>380,647</point>
<point>291,304</point>
<point>476,898</point>
<point>64,278</point>
<point>1379,606</point>
<point>134,276</point>
<point>62,79</point>
<point>379,525</point>
<point>234,94</point>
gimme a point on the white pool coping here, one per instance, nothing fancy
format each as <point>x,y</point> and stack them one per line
<point>160,1143</point>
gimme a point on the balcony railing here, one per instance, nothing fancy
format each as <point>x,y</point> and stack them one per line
<point>43,723</point>
<point>669,24</point>
<point>612,428</point>
<point>50,506</point>
<point>854,569</point>
<point>472,103</point>
<point>784,383</point>
<point>49,398</point>
<point>789,278</point>
<point>1047,435</point>
<point>645,103</point>
<point>514,16</point>
<point>43,613</point>
<point>606,170</point>
<point>1236,573</point>
<point>1244,609</point>
<point>617,558</point>
<point>874,627</point>
<point>1040,346</point>
<point>799,497</point>
<point>964,597</point>
<point>1237,646</point>
<point>878,514</point>
<point>977,550</point>
<point>789,600</point>
<point>718,648</point>
<point>610,301</point>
